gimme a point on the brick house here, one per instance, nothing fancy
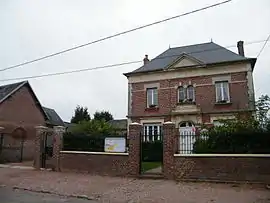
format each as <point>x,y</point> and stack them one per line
<point>20,112</point>
<point>191,85</point>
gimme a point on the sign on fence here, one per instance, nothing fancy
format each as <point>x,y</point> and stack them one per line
<point>115,144</point>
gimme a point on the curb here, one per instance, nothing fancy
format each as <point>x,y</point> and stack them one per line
<point>16,167</point>
<point>55,193</point>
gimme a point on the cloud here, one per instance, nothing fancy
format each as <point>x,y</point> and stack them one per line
<point>30,29</point>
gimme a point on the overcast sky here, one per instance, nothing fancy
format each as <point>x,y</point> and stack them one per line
<point>33,28</point>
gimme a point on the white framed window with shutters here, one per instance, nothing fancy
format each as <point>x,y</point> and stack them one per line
<point>222,92</point>
<point>152,97</point>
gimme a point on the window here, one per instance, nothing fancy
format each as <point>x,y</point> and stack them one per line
<point>222,92</point>
<point>186,94</point>
<point>152,97</point>
<point>190,93</point>
<point>152,132</point>
<point>217,123</point>
<point>182,94</point>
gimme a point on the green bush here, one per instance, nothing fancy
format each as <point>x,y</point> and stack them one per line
<point>235,137</point>
<point>82,142</point>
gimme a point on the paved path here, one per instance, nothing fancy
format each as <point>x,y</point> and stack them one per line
<point>126,190</point>
<point>19,196</point>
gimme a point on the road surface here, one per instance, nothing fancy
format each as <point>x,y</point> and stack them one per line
<point>22,196</point>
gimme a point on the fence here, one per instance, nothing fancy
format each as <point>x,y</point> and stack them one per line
<point>11,149</point>
<point>187,141</point>
<point>91,143</point>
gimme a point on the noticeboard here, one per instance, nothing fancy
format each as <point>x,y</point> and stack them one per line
<point>115,144</point>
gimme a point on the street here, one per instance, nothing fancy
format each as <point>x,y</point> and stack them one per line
<point>22,196</point>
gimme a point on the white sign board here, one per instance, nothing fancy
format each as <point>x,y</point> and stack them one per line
<point>115,144</point>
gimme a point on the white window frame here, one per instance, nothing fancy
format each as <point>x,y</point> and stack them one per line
<point>222,91</point>
<point>153,94</point>
<point>146,128</point>
<point>186,93</point>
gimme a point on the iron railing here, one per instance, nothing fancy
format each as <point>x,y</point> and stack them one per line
<point>187,141</point>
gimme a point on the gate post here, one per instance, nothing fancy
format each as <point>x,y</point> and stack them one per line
<point>1,139</point>
<point>135,130</point>
<point>57,145</point>
<point>169,131</point>
<point>40,130</point>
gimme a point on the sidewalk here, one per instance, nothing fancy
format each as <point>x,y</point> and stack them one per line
<point>120,190</point>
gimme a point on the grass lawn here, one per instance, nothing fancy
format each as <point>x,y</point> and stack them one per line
<point>146,166</point>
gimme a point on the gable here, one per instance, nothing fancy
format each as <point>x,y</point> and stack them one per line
<point>22,107</point>
<point>15,95</point>
<point>184,61</point>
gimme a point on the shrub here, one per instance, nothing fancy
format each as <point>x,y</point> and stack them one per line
<point>242,136</point>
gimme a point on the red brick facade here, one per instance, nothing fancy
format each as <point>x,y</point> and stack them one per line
<point>205,96</point>
<point>21,110</point>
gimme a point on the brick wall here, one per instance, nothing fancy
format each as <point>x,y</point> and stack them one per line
<point>204,94</point>
<point>100,164</point>
<point>238,168</point>
<point>21,110</point>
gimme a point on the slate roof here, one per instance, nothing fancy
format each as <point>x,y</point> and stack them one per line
<point>206,53</point>
<point>53,117</point>
<point>120,124</point>
<point>6,90</point>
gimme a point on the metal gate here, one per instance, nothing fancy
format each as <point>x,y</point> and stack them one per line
<point>151,151</point>
<point>11,149</point>
<point>47,150</point>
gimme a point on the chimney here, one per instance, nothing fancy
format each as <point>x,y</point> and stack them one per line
<point>240,46</point>
<point>145,60</point>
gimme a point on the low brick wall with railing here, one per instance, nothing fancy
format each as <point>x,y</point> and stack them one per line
<point>100,163</point>
<point>223,167</point>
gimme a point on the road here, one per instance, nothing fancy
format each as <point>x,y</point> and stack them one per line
<point>21,196</point>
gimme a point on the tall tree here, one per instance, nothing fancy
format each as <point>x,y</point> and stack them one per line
<point>103,115</point>
<point>80,114</point>
<point>93,127</point>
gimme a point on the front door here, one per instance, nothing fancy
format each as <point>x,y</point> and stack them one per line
<point>187,137</point>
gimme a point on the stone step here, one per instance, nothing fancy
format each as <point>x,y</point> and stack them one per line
<point>153,176</point>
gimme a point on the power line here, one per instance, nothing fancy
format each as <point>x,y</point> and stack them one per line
<point>112,36</point>
<point>263,46</point>
<point>117,64</point>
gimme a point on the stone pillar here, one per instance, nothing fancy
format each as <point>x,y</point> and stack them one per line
<point>39,139</point>
<point>169,139</point>
<point>135,130</point>
<point>57,145</point>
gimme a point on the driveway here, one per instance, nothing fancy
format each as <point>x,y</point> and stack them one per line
<point>122,190</point>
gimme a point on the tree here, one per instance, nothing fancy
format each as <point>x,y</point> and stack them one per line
<point>81,114</point>
<point>93,127</point>
<point>262,111</point>
<point>103,115</point>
